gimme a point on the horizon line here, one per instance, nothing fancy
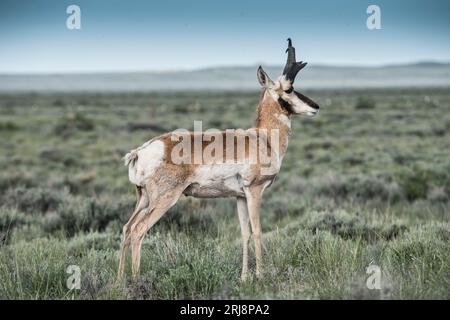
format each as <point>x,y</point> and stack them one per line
<point>224,66</point>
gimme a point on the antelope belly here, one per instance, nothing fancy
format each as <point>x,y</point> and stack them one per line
<point>216,181</point>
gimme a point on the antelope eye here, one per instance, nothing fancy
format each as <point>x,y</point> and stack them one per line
<point>289,90</point>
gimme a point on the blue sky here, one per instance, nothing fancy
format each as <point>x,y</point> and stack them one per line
<point>171,35</point>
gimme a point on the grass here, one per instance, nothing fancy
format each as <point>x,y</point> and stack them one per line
<point>366,182</point>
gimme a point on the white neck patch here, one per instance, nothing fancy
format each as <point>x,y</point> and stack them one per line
<point>284,119</point>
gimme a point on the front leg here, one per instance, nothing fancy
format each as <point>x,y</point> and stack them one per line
<point>253,195</point>
<point>245,232</point>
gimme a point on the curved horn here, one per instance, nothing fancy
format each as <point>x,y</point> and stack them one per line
<point>291,56</point>
<point>292,67</point>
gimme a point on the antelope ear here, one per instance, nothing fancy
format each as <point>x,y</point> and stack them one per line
<point>263,78</point>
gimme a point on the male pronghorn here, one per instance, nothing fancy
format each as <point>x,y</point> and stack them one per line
<point>160,180</point>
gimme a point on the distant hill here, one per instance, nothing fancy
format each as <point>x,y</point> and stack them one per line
<point>424,74</point>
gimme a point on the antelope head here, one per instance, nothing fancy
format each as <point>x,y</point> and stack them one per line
<point>282,89</point>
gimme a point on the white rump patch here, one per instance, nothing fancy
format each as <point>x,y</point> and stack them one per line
<point>143,161</point>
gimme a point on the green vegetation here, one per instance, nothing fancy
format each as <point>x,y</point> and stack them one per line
<point>365,182</point>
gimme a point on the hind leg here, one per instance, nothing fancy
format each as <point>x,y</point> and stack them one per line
<point>141,204</point>
<point>161,203</point>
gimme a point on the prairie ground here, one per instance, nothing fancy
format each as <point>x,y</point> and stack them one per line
<point>366,182</point>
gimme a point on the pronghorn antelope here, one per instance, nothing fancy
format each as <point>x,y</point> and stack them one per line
<point>160,180</point>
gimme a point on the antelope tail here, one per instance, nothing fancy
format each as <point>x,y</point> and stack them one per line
<point>131,157</point>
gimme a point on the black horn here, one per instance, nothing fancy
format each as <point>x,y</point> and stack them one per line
<point>292,67</point>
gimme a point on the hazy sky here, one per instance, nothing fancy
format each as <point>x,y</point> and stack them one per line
<point>159,35</point>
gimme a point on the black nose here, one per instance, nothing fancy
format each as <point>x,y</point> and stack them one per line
<point>314,105</point>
